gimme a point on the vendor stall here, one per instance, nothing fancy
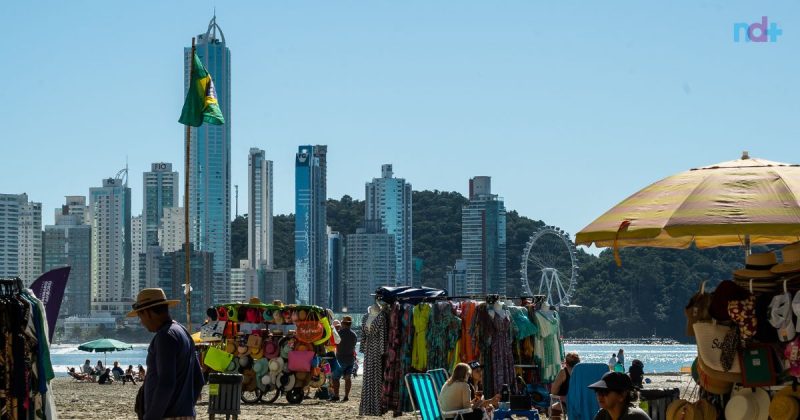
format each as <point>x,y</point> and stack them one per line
<point>277,348</point>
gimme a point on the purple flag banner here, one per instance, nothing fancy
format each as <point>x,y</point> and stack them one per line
<point>49,288</point>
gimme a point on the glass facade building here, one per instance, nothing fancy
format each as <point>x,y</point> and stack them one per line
<point>388,199</point>
<point>68,243</point>
<point>483,239</point>
<point>310,233</point>
<point>259,209</point>
<point>210,163</point>
<point>160,191</point>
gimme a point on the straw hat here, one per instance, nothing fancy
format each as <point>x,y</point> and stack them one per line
<point>715,382</point>
<point>683,410</point>
<point>148,298</point>
<point>254,301</point>
<point>758,265</point>
<point>748,404</point>
<point>791,260</point>
<point>706,409</point>
<point>784,405</point>
<point>276,365</point>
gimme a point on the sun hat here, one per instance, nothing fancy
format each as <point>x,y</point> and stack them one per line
<point>706,409</point>
<point>148,298</point>
<point>785,405</point>
<point>748,404</point>
<point>758,265</point>
<point>266,380</point>
<point>276,365</point>
<point>709,335</point>
<point>347,319</point>
<point>613,381</point>
<point>287,381</point>
<point>277,317</point>
<point>271,349</point>
<point>715,382</point>
<point>791,260</point>
<point>682,409</point>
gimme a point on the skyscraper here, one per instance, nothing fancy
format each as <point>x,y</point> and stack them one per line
<point>336,266</point>
<point>388,199</point>
<point>370,260</point>
<point>171,233</point>
<point>20,237</point>
<point>110,207</point>
<point>137,248</point>
<point>259,209</point>
<point>483,238</point>
<point>210,163</point>
<point>69,243</point>
<point>160,192</point>
<point>310,236</point>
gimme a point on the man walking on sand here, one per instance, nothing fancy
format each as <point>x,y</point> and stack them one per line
<point>174,379</point>
<point>345,358</point>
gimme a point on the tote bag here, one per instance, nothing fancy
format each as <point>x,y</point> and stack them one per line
<point>217,359</point>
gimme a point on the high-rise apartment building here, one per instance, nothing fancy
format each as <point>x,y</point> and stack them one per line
<point>69,243</point>
<point>20,237</point>
<point>336,267</point>
<point>370,261</point>
<point>110,207</point>
<point>170,269</point>
<point>242,279</point>
<point>310,236</point>
<point>137,248</point>
<point>171,233</point>
<point>259,209</point>
<point>457,279</point>
<point>210,162</point>
<point>388,199</point>
<point>160,192</point>
<point>483,238</point>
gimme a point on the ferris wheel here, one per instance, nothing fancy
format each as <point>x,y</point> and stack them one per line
<point>550,258</point>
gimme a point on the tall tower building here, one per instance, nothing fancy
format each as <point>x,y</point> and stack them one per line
<point>110,207</point>
<point>336,267</point>
<point>171,233</point>
<point>483,238</point>
<point>310,236</point>
<point>210,163</point>
<point>20,237</point>
<point>370,262</point>
<point>388,199</point>
<point>259,209</point>
<point>68,243</point>
<point>137,248</point>
<point>160,192</point>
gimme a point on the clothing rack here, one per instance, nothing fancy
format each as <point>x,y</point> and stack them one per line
<point>11,287</point>
<point>537,300</point>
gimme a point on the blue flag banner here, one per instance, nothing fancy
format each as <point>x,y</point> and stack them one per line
<point>49,288</point>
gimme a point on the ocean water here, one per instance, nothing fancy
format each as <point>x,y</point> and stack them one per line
<point>656,358</point>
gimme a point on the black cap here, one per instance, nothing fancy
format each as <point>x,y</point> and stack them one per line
<point>613,381</point>
<point>474,365</point>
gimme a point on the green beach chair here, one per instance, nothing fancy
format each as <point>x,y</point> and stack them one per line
<point>425,398</point>
<point>439,378</point>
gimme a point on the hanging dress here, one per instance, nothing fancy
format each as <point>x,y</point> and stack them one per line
<point>392,373</point>
<point>373,345</point>
<point>468,350</point>
<point>407,341</point>
<point>502,356</point>
<point>442,335</point>
<point>419,353</point>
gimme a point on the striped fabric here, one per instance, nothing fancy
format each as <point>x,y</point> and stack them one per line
<point>423,396</point>
<point>439,377</point>
<point>717,205</point>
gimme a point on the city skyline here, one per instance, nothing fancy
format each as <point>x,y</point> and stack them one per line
<point>543,112</point>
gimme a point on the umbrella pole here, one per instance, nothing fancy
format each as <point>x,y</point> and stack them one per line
<point>746,246</point>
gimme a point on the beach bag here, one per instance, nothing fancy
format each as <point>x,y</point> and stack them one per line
<point>697,309</point>
<point>310,330</point>
<point>217,359</point>
<point>327,331</point>
<point>717,346</point>
<point>300,360</point>
<point>758,366</point>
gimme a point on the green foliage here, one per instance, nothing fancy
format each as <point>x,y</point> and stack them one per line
<point>436,227</point>
<point>238,240</point>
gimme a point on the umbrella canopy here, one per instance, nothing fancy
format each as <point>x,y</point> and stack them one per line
<point>725,204</point>
<point>104,345</point>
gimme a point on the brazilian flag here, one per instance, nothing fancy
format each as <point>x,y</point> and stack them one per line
<point>201,101</point>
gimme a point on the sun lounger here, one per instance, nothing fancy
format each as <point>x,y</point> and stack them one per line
<point>80,377</point>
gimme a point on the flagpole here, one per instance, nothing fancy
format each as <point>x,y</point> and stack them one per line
<point>186,251</point>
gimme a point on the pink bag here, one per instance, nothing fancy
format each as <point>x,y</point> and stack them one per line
<point>300,360</point>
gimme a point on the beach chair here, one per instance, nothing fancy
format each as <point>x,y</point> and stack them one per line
<point>439,378</point>
<point>582,402</point>
<point>80,377</point>
<point>425,398</point>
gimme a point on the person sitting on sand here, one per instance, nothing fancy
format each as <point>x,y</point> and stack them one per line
<point>105,377</point>
<point>81,376</point>
<point>99,368</point>
<point>561,384</point>
<point>117,371</point>
<point>87,368</point>
<point>129,375</point>
<point>142,372</point>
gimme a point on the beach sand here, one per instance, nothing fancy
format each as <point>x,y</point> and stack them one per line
<point>81,400</point>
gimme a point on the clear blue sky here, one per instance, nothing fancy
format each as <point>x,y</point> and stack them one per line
<point>569,106</point>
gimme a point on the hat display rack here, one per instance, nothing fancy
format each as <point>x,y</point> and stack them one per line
<point>748,340</point>
<point>276,347</point>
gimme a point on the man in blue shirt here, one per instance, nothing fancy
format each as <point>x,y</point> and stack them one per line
<point>174,379</point>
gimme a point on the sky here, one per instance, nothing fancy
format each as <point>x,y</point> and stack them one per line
<point>569,106</point>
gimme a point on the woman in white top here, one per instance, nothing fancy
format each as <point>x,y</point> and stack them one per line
<point>455,394</point>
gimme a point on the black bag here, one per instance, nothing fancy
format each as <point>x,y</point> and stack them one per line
<point>138,406</point>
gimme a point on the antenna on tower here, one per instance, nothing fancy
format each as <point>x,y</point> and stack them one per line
<point>236,187</point>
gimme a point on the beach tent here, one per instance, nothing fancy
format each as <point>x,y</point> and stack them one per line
<point>104,345</point>
<point>736,203</point>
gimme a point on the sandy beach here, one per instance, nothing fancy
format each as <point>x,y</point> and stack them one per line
<point>81,400</point>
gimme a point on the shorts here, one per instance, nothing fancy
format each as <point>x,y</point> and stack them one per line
<point>340,370</point>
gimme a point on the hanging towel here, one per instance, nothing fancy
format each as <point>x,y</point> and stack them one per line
<point>581,401</point>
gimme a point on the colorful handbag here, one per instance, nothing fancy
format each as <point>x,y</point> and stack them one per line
<point>758,366</point>
<point>300,360</point>
<point>217,359</point>
<point>310,330</point>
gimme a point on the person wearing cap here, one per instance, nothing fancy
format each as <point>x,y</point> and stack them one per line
<point>345,358</point>
<point>561,384</point>
<point>615,395</point>
<point>475,382</point>
<point>174,379</point>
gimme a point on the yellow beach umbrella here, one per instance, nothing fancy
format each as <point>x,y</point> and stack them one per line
<point>740,202</point>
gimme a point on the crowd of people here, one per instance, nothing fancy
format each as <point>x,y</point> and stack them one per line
<point>104,375</point>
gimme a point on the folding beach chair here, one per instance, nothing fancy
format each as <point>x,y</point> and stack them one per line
<point>439,378</point>
<point>425,398</point>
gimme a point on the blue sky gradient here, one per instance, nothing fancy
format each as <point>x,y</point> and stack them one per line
<point>569,106</point>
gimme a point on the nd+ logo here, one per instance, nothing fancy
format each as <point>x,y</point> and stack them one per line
<point>756,32</point>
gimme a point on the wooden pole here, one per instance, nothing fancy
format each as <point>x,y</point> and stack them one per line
<point>186,251</point>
